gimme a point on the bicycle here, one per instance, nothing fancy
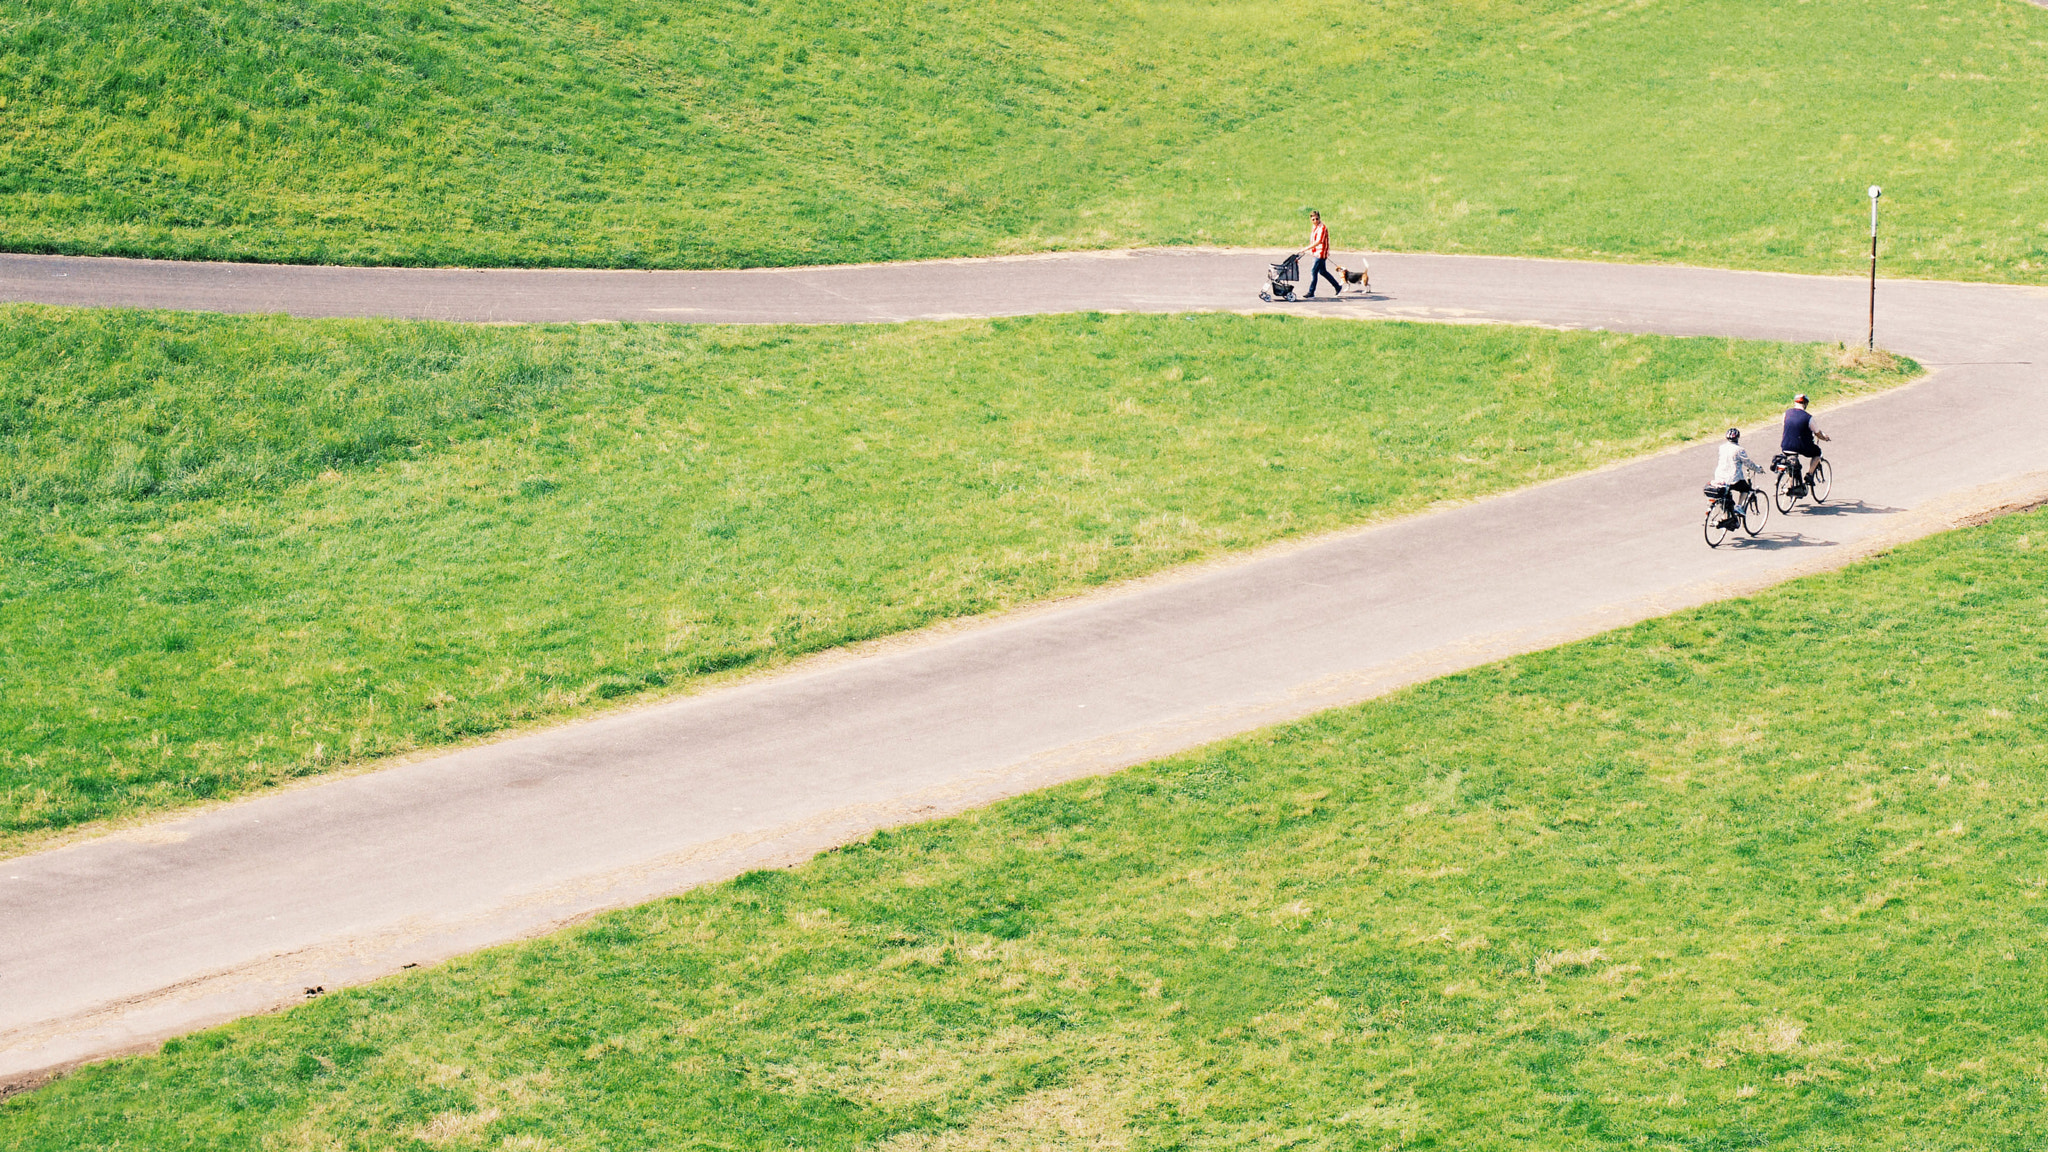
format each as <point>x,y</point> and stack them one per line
<point>1792,486</point>
<point>1751,514</point>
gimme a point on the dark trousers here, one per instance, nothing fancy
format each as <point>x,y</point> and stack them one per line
<point>1322,269</point>
<point>1804,458</point>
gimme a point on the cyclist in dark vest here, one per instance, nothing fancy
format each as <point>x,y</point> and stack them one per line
<point>1800,440</point>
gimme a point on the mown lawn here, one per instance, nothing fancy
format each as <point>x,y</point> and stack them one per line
<point>1764,875</point>
<point>237,550</point>
<point>645,133</point>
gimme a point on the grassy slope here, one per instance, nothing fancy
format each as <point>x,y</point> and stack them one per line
<point>1767,874</point>
<point>729,132</point>
<point>242,549</point>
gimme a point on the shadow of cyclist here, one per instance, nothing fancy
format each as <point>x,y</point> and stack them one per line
<point>1774,543</point>
<point>1846,508</point>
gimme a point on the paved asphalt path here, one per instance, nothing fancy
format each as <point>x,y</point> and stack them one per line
<point>120,941</point>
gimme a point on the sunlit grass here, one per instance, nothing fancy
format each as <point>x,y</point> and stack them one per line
<point>236,550</point>
<point>1768,874</point>
<point>645,133</point>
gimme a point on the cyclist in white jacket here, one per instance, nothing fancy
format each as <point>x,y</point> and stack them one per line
<point>1733,469</point>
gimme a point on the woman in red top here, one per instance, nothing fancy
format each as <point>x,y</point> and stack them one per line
<point>1319,247</point>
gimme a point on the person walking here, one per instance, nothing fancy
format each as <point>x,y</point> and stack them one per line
<point>1319,247</point>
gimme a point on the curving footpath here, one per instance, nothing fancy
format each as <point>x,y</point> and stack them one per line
<point>118,942</point>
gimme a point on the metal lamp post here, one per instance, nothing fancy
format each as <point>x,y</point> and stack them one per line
<point>1875,192</point>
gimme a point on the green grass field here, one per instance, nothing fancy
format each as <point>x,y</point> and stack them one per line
<point>636,133</point>
<point>1764,875</point>
<point>238,550</point>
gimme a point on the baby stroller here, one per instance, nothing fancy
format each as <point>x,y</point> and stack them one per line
<point>1283,277</point>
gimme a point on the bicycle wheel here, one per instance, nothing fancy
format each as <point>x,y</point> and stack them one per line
<point>1820,482</point>
<point>1783,492</point>
<point>1756,512</point>
<point>1715,533</point>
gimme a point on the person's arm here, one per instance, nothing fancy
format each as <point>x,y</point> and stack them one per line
<point>1817,433</point>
